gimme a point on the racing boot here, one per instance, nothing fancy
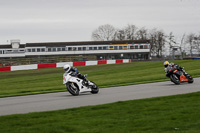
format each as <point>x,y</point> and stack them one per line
<point>184,72</point>
<point>87,82</point>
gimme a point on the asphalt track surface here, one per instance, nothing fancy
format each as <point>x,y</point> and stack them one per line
<point>64,100</point>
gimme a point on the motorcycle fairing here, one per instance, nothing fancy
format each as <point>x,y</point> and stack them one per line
<point>180,74</point>
<point>183,78</point>
<point>82,88</point>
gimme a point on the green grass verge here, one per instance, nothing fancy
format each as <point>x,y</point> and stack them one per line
<point>180,113</point>
<point>26,82</point>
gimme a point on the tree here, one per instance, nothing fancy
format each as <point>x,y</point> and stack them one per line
<point>182,46</point>
<point>196,43</point>
<point>119,35</point>
<point>171,41</point>
<point>160,43</point>
<point>189,40</point>
<point>157,38</point>
<point>142,34</point>
<point>171,45</point>
<point>127,33</point>
<point>104,33</point>
<point>152,37</point>
<point>130,32</point>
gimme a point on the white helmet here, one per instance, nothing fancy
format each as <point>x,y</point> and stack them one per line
<point>67,67</point>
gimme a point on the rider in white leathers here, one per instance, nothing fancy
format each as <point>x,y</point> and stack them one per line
<point>74,72</point>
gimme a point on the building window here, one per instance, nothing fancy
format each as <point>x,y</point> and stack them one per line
<point>120,47</point>
<point>33,50</point>
<point>100,48</point>
<point>1,52</point>
<point>38,50</point>
<point>74,48</point>
<point>111,47</point>
<point>95,48</point>
<point>145,46</point>
<point>43,49</point>
<point>69,48</point>
<point>63,49</point>
<point>131,47</point>
<point>141,46</point>
<point>115,47</point>
<point>84,48</point>
<point>49,49</point>
<point>79,48</point>
<point>90,48</point>
<point>58,49</point>
<point>136,46</point>
<point>125,47</point>
<point>29,50</point>
<point>54,49</point>
<point>104,48</point>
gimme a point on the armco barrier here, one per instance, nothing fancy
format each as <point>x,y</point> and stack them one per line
<point>119,61</point>
<point>79,63</point>
<point>46,65</point>
<point>8,68</point>
<point>101,62</point>
<point>61,64</point>
<point>89,63</point>
<point>24,67</point>
<point>111,61</point>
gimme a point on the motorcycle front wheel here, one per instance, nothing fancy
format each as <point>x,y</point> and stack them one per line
<point>175,79</point>
<point>73,88</point>
<point>95,88</point>
<point>190,79</point>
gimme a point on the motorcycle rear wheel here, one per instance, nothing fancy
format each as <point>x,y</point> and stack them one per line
<point>175,79</point>
<point>73,89</point>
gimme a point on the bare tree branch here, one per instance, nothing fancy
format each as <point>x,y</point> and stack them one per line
<point>104,33</point>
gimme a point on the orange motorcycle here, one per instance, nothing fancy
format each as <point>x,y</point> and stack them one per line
<point>178,75</point>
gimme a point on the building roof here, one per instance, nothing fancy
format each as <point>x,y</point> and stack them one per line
<point>61,44</point>
<point>6,46</point>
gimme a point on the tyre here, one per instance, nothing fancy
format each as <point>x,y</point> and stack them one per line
<point>175,79</point>
<point>190,79</point>
<point>95,88</point>
<point>73,89</point>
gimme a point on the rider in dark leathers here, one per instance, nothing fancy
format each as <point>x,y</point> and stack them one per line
<point>168,65</point>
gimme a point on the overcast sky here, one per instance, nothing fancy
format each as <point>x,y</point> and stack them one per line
<point>75,20</point>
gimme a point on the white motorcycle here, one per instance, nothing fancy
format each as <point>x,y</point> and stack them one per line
<point>75,85</point>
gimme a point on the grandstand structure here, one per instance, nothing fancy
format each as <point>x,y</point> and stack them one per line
<point>30,53</point>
